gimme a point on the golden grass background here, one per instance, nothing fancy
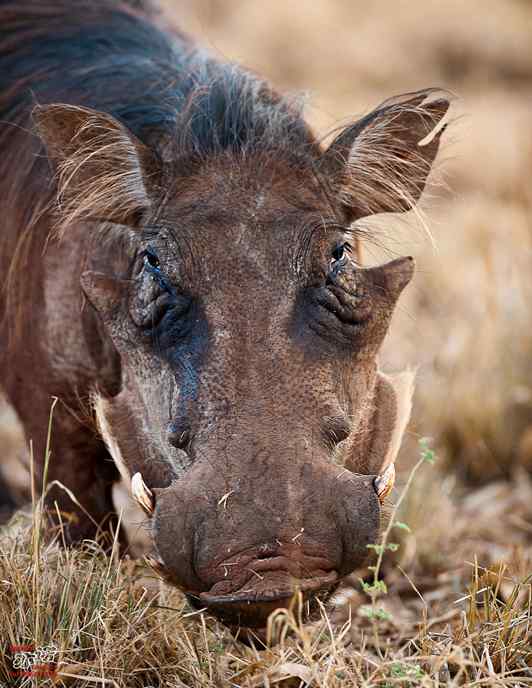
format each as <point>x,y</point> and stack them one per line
<point>459,598</point>
<point>467,319</point>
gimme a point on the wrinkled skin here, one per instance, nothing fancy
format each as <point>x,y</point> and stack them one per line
<point>272,367</point>
<point>215,317</point>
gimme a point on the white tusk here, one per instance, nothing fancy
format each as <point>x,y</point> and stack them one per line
<point>384,483</point>
<point>142,493</point>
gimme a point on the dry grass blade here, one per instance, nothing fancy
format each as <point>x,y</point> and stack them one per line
<point>460,625</point>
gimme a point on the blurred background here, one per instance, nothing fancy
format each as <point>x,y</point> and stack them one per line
<point>466,321</point>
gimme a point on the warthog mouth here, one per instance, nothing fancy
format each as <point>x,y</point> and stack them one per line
<point>251,607</point>
<point>243,587</point>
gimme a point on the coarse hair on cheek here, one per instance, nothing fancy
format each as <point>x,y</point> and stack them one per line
<point>375,443</point>
<point>403,387</point>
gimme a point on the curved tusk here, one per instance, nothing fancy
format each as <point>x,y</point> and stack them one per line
<point>384,483</point>
<point>142,494</point>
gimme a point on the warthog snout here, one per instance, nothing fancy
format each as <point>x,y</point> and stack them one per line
<point>243,553</point>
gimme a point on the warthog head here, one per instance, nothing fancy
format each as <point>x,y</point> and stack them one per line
<point>240,394</point>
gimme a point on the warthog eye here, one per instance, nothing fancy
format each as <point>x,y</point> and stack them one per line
<point>151,260</point>
<point>344,306</point>
<point>340,253</point>
<point>157,302</point>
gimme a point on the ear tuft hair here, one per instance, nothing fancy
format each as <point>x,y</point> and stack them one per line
<point>380,164</point>
<point>102,168</point>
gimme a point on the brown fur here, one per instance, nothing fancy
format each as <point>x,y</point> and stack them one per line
<point>100,171</point>
<point>199,289</point>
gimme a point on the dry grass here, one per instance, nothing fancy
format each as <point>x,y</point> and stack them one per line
<point>458,606</point>
<point>457,609</point>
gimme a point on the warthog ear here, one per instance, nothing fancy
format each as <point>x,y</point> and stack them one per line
<point>102,168</point>
<point>378,444</point>
<point>380,164</point>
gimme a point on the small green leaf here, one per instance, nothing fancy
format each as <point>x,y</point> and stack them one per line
<point>402,526</point>
<point>427,454</point>
<point>374,613</point>
<point>373,589</point>
<point>399,670</point>
<point>379,549</point>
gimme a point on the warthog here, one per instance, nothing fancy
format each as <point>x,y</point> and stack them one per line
<point>180,274</point>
